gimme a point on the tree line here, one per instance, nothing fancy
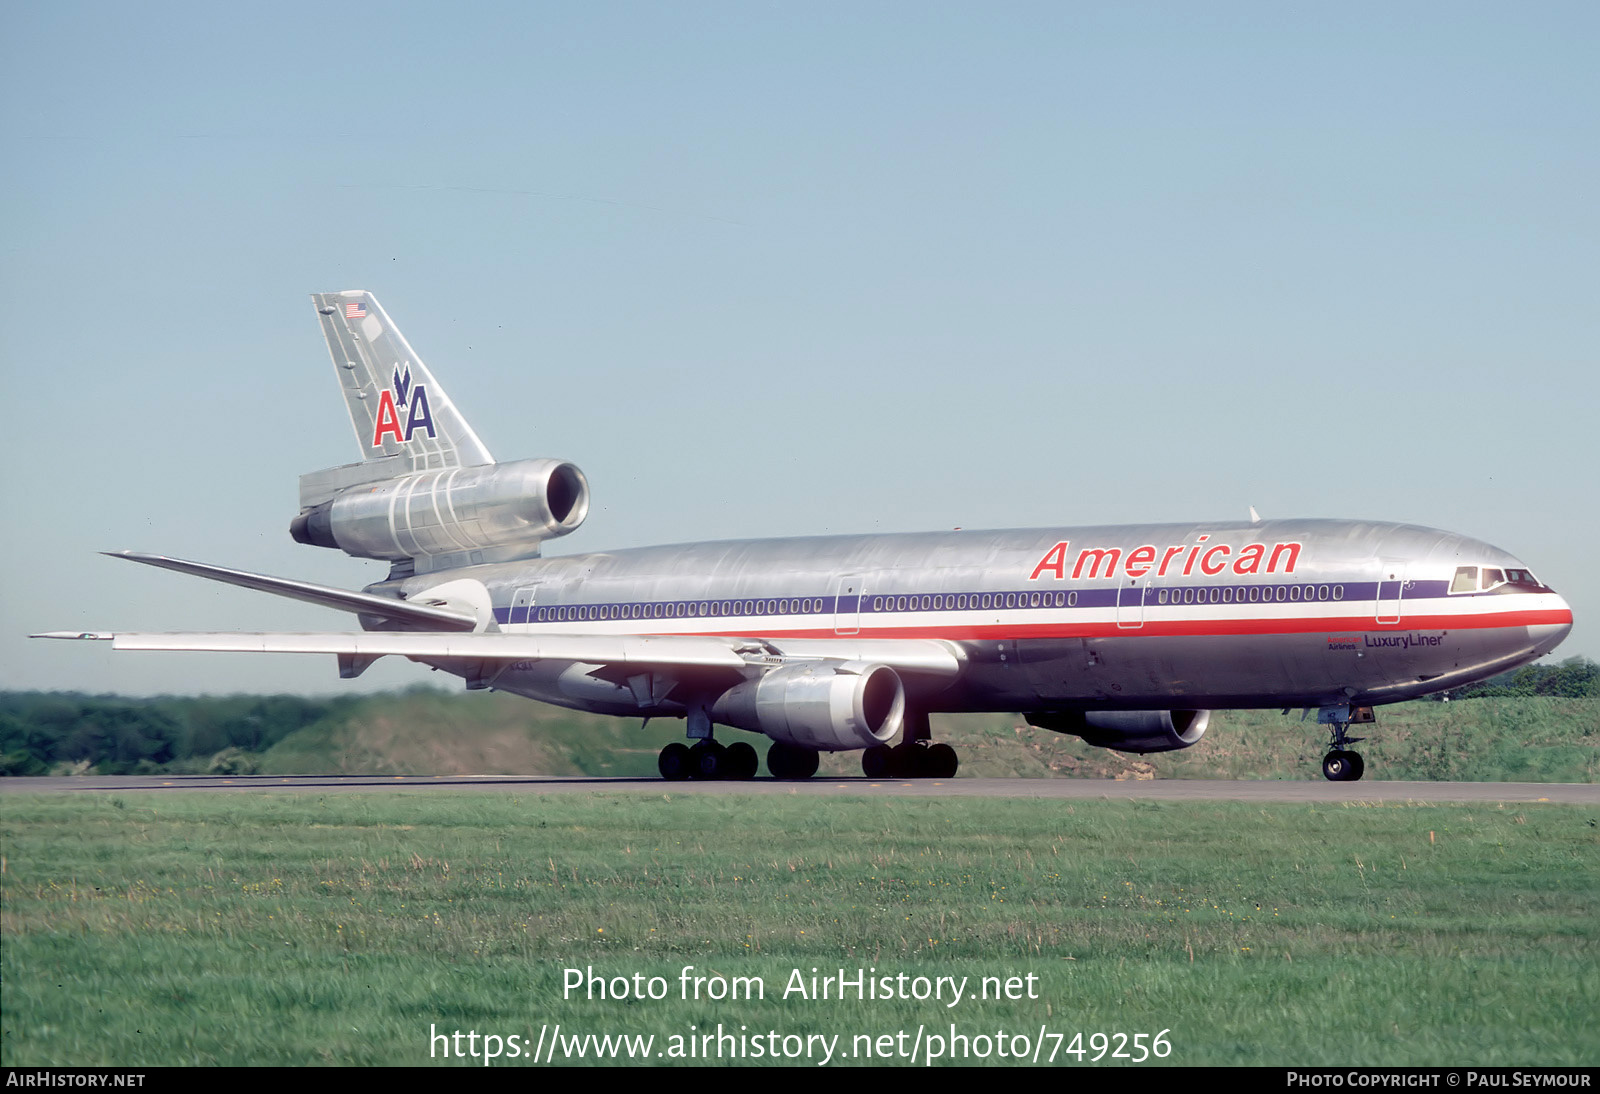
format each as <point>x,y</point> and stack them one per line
<point>42,732</point>
<point>1574,678</point>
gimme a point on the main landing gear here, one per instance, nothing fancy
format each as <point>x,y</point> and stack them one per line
<point>910,760</point>
<point>915,757</point>
<point>707,760</point>
<point>1341,765</point>
<point>791,762</point>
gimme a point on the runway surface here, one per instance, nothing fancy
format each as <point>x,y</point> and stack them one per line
<point>1069,789</point>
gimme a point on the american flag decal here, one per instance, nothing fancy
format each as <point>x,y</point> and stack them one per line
<point>355,311</point>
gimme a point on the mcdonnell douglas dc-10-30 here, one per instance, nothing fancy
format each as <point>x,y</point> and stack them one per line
<point>1126,636</point>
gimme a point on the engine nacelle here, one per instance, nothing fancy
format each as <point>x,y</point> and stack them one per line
<point>1130,730</point>
<point>453,517</point>
<point>830,706</point>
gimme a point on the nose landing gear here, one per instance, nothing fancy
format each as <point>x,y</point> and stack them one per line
<point>1341,765</point>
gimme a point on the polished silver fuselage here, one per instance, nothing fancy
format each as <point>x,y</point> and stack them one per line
<point>1136,617</point>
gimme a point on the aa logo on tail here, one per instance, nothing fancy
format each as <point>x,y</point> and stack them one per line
<point>402,396</point>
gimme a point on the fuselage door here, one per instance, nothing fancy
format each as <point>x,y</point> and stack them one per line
<point>1391,590</point>
<point>522,604</point>
<point>1130,605</point>
<point>847,593</point>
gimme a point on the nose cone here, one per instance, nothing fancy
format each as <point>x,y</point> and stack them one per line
<point>1553,630</point>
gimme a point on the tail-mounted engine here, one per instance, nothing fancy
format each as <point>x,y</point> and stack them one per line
<point>1130,730</point>
<point>829,706</point>
<point>458,516</point>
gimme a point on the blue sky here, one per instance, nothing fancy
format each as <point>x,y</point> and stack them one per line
<point>780,269</point>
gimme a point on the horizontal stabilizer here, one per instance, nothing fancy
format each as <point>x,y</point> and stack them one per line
<point>398,611</point>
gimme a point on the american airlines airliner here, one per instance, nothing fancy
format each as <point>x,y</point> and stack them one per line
<point>1126,636</point>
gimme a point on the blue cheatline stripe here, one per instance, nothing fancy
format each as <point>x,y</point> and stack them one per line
<point>882,604</point>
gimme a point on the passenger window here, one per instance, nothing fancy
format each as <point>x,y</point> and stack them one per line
<point>1466,580</point>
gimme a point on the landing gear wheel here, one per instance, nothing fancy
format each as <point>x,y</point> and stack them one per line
<point>740,761</point>
<point>1340,766</point>
<point>791,762</point>
<point>907,760</point>
<point>673,762</point>
<point>877,762</point>
<point>940,761</point>
<point>708,761</point>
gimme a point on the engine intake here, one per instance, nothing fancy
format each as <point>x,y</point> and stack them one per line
<point>457,516</point>
<point>830,706</point>
<point>1130,730</point>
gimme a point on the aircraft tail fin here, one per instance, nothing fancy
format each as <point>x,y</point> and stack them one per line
<point>403,419</point>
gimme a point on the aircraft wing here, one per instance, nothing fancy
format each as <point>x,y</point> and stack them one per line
<point>917,656</point>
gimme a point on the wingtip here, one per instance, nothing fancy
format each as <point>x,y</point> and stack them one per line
<point>78,636</point>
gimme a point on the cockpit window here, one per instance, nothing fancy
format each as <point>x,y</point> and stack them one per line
<point>1494,579</point>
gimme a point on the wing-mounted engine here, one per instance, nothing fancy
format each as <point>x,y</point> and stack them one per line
<point>1129,730</point>
<point>829,706</point>
<point>436,520</point>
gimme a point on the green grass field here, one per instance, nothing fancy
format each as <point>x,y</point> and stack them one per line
<point>296,928</point>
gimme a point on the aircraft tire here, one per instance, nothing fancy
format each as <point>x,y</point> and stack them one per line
<point>673,763</point>
<point>741,761</point>
<point>708,761</point>
<point>941,761</point>
<point>1358,766</point>
<point>908,760</point>
<point>791,762</point>
<point>1340,766</point>
<point>877,762</point>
